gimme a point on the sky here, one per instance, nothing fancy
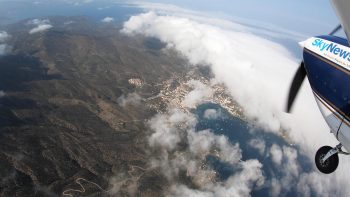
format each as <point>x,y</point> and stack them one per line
<point>311,17</point>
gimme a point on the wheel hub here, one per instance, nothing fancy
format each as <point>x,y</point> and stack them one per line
<point>323,163</point>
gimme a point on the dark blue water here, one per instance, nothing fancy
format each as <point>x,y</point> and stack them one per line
<point>241,132</point>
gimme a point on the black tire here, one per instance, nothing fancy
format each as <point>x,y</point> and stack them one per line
<point>330,165</point>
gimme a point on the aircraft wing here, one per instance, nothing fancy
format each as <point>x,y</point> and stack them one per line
<point>342,8</point>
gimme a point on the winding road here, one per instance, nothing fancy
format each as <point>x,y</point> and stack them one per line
<point>81,190</point>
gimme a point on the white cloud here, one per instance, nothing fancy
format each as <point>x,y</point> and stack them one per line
<point>292,166</point>
<point>320,185</point>
<point>211,114</point>
<point>202,142</point>
<point>41,25</point>
<point>78,2</point>
<point>168,129</point>
<point>275,187</point>
<point>130,99</point>
<point>38,21</point>
<point>108,19</point>
<point>4,36</point>
<point>258,144</point>
<point>276,154</point>
<point>198,95</point>
<point>3,49</point>
<point>40,28</point>
<point>2,93</point>
<point>68,22</point>
<point>285,160</point>
<point>104,8</point>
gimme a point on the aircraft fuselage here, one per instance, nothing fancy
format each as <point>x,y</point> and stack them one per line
<point>327,63</point>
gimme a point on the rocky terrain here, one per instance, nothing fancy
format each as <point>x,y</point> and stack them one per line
<point>76,100</point>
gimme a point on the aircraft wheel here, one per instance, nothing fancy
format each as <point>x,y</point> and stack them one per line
<point>330,165</point>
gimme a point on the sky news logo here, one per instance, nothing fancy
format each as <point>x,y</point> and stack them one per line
<point>332,48</point>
